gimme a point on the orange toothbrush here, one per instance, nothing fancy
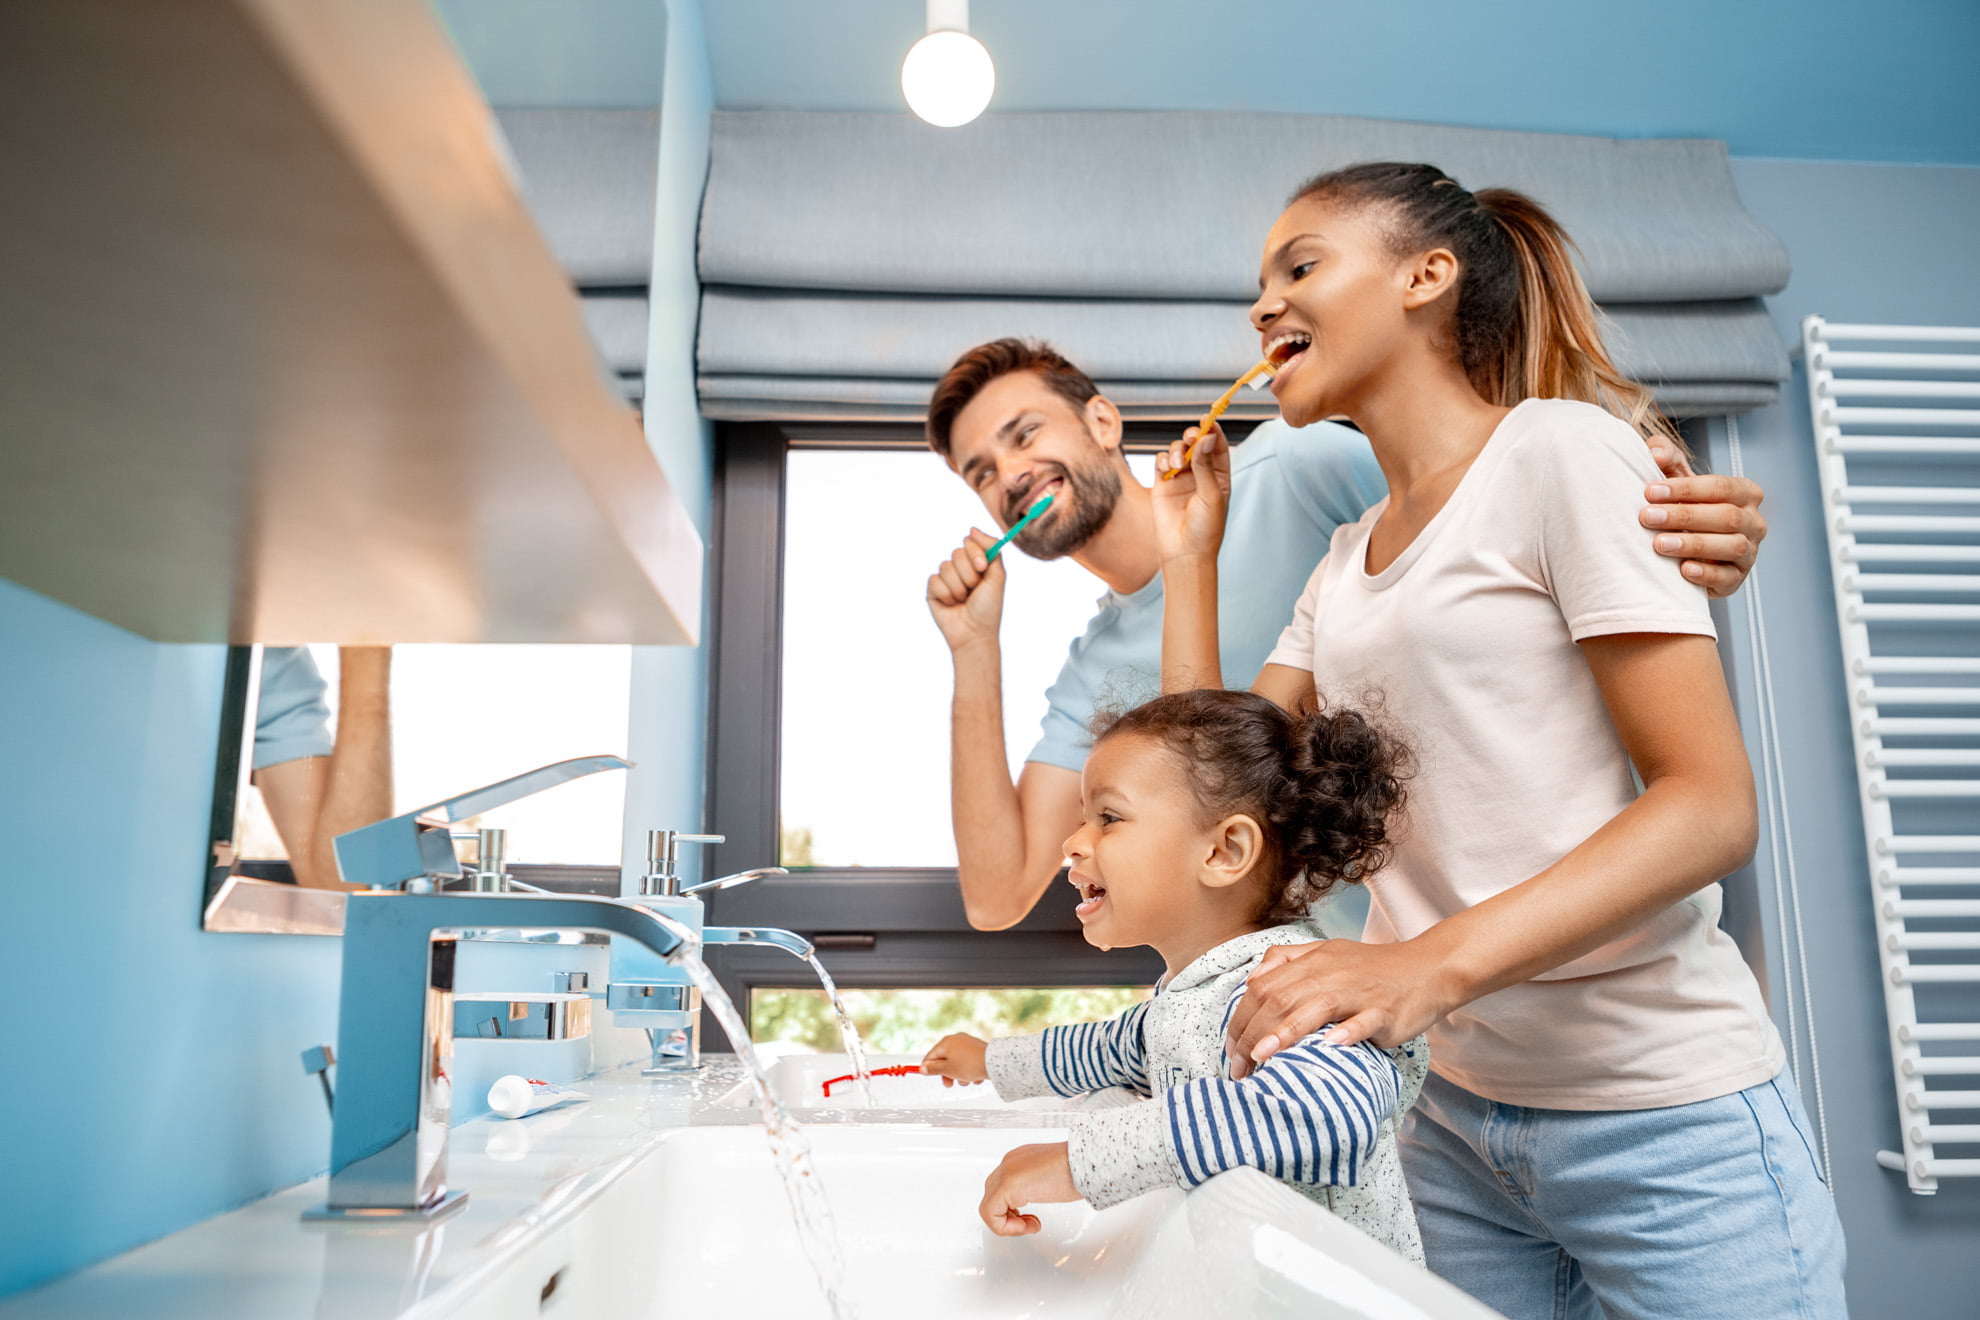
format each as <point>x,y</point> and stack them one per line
<point>1263,369</point>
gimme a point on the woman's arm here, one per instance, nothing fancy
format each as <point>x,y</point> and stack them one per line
<point>1695,822</point>
<point>1190,507</point>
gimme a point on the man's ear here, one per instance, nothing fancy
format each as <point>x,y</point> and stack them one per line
<point>1104,420</point>
<point>1236,845</point>
<point>1429,277</point>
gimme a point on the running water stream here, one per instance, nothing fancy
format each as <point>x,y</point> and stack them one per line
<point>816,1229</point>
<point>847,1031</point>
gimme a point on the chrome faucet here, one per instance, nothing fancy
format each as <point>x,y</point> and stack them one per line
<point>789,941</point>
<point>659,998</point>
<point>388,1145</point>
<point>663,855</point>
<point>419,854</point>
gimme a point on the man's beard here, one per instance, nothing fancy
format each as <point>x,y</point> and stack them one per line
<point>1095,488</point>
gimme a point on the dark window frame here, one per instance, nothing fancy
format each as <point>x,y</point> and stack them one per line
<point>877,927</point>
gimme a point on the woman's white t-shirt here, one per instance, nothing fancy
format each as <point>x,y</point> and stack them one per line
<point>1467,644</point>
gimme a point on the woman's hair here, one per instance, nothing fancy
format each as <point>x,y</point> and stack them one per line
<point>1525,325</point>
<point>1324,785</point>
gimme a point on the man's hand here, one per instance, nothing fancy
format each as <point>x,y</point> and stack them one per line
<point>966,594</point>
<point>957,1058</point>
<point>1712,524</point>
<point>1029,1175</point>
<point>1190,509</point>
<point>1387,993</point>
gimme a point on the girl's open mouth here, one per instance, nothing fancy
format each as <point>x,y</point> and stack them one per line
<point>1090,899</point>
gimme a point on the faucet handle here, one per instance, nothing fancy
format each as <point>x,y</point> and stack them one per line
<point>663,854</point>
<point>739,878</point>
<point>660,845</point>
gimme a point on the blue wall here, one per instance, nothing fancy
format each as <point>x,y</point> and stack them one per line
<point>1827,79</point>
<point>159,1081</point>
<point>1871,243</point>
<point>597,54</point>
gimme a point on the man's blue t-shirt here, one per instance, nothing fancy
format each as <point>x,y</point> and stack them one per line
<point>1290,488</point>
<point>291,718</point>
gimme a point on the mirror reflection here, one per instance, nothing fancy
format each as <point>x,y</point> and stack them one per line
<point>309,782</point>
<point>326,739</point>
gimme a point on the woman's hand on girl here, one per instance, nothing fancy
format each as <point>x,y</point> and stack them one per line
<point>957,1058</point>
<point>1028,1175</point>
<point>1385,993</point>
<point>1189,510</point>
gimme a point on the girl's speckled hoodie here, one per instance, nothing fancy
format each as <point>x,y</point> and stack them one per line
<point>1320,1118</point>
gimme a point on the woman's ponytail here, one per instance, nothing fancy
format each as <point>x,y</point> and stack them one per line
<point>1524,323</point>
<point>1553,348</point>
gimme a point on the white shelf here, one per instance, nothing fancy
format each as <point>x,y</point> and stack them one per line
<point>283,357</point>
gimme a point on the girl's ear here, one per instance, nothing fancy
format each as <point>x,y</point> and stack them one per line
<point>1430,276</point>
<point>1236,844</point>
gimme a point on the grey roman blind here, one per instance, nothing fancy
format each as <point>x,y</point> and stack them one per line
<point>847,258</point>
<point>589,177</point>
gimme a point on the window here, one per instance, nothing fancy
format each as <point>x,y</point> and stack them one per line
<point>829,710</point>
<point>909,1021</point>
<point>866,675</point>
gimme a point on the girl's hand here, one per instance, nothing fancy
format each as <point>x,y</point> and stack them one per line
<point>1387,993</point>
<point>1189,510</point>
<point>957,1058</point>
<point>1029,1175</point>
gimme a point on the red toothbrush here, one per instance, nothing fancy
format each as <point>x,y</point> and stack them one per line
<point>899,1070</point>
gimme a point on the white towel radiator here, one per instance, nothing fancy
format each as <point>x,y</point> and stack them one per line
<point>1897,434</point>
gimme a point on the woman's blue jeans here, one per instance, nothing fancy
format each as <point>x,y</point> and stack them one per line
<point>1696,1212</point>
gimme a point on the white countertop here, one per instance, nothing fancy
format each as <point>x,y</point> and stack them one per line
<point>523,1177</point>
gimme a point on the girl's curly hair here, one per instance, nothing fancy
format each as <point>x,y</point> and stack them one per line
<point>1326,785</point>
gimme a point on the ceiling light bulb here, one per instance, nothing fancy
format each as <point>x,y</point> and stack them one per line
<point>948,77</point>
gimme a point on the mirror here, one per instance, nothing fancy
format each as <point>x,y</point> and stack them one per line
<point>320,740</point>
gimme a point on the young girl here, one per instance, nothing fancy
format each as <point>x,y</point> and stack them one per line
<point>1213,821</point>
<point>1607,1130</point>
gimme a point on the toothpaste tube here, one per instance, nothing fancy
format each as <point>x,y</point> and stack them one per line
<point>519,1097</point>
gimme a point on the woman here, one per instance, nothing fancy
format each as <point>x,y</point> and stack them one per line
<point>1606,1129</point>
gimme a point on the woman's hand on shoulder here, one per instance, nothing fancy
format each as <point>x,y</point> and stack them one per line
<point>1190,506</point>
<point>1711,524</point>
<point>1385,993</point>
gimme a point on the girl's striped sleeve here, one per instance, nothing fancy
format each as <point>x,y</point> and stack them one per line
<point>1072,1060</point>
<point>1311,1114</point>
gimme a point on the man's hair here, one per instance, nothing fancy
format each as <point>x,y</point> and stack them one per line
<point>986,362</point>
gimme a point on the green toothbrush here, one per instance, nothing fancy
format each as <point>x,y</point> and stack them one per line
<point>990,555</point>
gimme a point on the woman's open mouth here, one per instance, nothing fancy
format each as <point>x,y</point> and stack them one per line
<point>1285,352</point>
<point>1090,899</point>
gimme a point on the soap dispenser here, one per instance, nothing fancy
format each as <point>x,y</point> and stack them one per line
<point>645,990</point>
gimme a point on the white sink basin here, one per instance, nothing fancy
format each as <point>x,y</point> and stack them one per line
<point>799,1081</point>
<point>701,1226</point>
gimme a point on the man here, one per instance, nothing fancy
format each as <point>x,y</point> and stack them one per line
<point>1017,421</point>
<point>315,786</point>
